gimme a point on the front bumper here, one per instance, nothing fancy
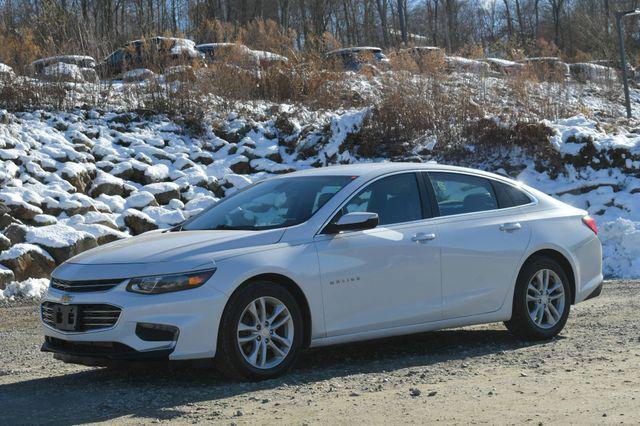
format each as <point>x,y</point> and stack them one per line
<point>194,313</point>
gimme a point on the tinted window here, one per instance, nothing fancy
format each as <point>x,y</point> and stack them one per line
<point>458,193</point>
<point>395,199</point>
<point>274,203</point>
<point>508,196</point>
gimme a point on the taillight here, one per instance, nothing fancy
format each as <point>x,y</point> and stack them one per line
<point>591,223</point>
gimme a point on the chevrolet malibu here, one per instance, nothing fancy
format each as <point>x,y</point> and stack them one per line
<point>326,256</point>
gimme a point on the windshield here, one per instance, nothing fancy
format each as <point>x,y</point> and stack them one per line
<point>270,204</point>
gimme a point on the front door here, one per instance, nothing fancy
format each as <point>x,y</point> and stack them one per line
<point>383,277</point>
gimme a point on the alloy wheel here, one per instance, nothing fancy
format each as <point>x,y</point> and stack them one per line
<point>265,332</point>
<point>545,298</point>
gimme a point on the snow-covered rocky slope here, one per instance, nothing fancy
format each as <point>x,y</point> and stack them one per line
<point>72,180</point>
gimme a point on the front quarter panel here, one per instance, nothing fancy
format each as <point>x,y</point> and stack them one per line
<point>298,263</point>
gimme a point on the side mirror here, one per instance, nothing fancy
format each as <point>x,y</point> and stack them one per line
<point>356,221</point>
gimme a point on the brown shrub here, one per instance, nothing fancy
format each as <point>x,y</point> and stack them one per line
<point>409,111</point>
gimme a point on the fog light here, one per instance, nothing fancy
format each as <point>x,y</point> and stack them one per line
<point>156,332</point>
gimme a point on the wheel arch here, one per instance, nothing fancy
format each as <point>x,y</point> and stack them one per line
<point>295,290</point>
<point>559,257</point>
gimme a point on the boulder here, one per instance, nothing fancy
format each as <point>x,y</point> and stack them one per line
<point>163,192</point>
<point>242,166</point>
<point>5,243</point>
<point>6,220</point>
<point>106,184</point>
<point>61,241</point>
<point>138,222</point>
<point>138,74</point>
<point>24,211</point>
<point>77,176</point>
<point>140,200</point>
<point>15,233</point>
<point>6,276</point>
<point>27,261</point>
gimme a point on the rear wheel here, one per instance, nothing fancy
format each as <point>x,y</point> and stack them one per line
<point>541,300</point>
<point>261,332</point>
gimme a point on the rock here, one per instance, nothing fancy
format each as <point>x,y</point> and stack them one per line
<point>77,176</point>
<point>90,75</point>
<point>157,173</point>
<point>140,200</point>
<point>138,222</point>
<point>27,261</point>
<point>24,211</point>
<point>415,392</point>
<point>164,192</point>
<point>5,243</point>
<point>6,276</point>
<point>16,233</point>
<point>106,184</point>
<point>432,393</point>
<point>242,166</point>
<point>44,220</point>
<point>61,241</point>
<point>6,220</point>
<point>138,74</point>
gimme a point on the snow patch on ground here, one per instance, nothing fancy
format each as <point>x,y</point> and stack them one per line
<point>32,288</point>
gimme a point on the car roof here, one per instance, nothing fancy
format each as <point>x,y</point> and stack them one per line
<point>371,170</point>
<point>355,49</point>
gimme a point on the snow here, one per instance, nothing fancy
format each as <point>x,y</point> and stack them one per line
<point>63,70</point>
<point>32,288</point>
<point>6,70</point>
<point>79,60</point>
<point>21,249</point>
<point>57,235</point>
<point>621,248</point>
<point>36,159</point>
<point>160,187</point>
<point>139,200</point>
<point>580,128</point>
<point>138,74</point>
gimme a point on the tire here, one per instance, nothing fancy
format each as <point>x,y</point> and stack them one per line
<point>528,321</point>
<point>233,359</point>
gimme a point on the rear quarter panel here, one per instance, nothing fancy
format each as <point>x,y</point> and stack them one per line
<point>561,229</point>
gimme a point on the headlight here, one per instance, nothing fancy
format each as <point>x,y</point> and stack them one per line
<point>168,283</point>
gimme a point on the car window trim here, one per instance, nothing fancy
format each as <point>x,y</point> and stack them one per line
<point>360,188</point>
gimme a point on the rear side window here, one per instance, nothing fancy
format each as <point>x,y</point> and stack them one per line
<point>509,196</point>
<point>395,199</point>
<point>458,193</point>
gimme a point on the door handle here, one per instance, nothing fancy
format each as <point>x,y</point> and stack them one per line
<point>423,237</point>
<point>510,227</point>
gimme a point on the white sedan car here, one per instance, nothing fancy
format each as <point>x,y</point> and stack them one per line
<point>326,256</point>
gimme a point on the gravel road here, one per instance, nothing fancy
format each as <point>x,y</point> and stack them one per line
<point>589,374</point>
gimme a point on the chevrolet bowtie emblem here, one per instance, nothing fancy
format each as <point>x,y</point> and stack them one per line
<point>66,298</point>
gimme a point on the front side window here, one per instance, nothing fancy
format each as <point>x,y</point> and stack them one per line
<point>275,203</point>
<point>395,199</point>
<point>458,193</point>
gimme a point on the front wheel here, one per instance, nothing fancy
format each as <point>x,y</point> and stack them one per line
<point>541,301</point>
<point>261,332</point>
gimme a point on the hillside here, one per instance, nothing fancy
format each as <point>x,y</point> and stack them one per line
<point>88,174</point>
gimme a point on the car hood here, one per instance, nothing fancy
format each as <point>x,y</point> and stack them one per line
<point>164,252</point>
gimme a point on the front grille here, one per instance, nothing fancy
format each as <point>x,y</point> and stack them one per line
<point>84,286</point>
<point>79,317</point>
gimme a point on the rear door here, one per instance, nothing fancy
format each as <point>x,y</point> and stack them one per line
<point>383,277</point>
<point>482,242</point>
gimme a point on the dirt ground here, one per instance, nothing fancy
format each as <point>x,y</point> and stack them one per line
<point>590,374</point>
